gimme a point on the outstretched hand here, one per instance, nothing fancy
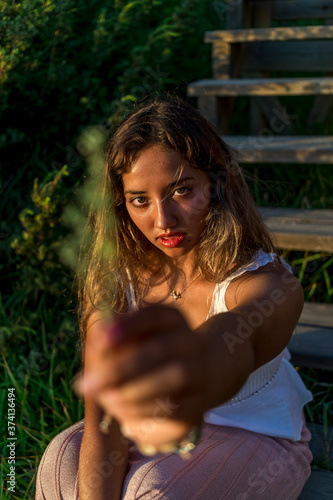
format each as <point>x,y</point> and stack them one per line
<point>149,370</point>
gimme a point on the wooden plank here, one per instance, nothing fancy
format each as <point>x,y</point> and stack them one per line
<point>319,486</point>
<point>283,149</point>
<point>299,215</point>
<point>302,9</point>
<point>321,444</point>
<point>317,314</point>
<point>313,56</point>
<point>312,347</point>
<point>262,86</point>
<point>288,239</point>
<point>221,60</point>
<point>270,34</point>
<point>294,229</point>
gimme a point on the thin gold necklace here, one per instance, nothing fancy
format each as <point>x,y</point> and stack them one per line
<point>178,295</point>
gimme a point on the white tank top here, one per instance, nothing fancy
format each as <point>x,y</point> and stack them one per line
<point>272,399</point>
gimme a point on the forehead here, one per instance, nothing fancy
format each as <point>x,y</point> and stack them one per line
<point>155,164</point>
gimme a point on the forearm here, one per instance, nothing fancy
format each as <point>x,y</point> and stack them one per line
<point>103,458</point>
<point>231,358</point>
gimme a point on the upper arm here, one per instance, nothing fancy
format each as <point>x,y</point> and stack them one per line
<point>269,302</point>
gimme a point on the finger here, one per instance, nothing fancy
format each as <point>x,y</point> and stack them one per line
<point>115,368</point>
<point>166,381</point>
<point>143,396</point>
<point>168,421</point>
<point>150,320</point>
<point>150,432</point>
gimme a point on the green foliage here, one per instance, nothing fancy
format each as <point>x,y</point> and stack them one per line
<point>39,243</point>
<point>75,60</point>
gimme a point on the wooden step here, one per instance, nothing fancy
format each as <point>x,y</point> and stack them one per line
<point>261,86</point>
<point>312,343</point>
<point>317,314</point>
<point>270,34</point>
<point>282,149</point>
<point>312,347</point>
<point>297,229</point>
<point>321,444</point>
<point>319,486</point>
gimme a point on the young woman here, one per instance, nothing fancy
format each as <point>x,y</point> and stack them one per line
<point>204,309</point>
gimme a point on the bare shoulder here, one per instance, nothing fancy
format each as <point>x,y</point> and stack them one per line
<point>272,281</point>
<point>270,300</point>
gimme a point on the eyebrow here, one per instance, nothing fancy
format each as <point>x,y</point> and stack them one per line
<point>170,186</point>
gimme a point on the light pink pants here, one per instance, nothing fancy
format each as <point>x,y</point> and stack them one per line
<point>227,463</point>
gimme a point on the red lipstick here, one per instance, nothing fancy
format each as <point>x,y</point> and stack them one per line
<point>171,240</point>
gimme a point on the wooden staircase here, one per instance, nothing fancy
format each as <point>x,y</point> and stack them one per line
<point>244,56</point>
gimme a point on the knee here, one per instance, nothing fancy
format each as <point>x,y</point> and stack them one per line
<point>58,469</point>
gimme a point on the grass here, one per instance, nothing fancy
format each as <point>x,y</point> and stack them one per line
<point>40,371</point>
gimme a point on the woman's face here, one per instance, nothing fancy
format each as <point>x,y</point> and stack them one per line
<point>167,206</point>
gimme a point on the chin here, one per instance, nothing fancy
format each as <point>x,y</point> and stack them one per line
<point>175,252</point>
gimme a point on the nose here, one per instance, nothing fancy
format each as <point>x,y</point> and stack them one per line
<point>165,216</point>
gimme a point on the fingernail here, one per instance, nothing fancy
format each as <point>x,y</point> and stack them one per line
<point>116,332</point>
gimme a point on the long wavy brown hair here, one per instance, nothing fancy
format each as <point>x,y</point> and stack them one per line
<point>119,252</point>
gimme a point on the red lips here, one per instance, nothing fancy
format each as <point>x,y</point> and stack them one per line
<point>171,240</point>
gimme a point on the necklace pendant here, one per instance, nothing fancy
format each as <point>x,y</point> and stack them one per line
<point>175,295</point>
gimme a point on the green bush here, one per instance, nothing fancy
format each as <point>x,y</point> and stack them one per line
<point>37,248</point>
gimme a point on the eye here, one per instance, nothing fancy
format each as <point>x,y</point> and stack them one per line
<point>182,190</point>
<point>139,201</point>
